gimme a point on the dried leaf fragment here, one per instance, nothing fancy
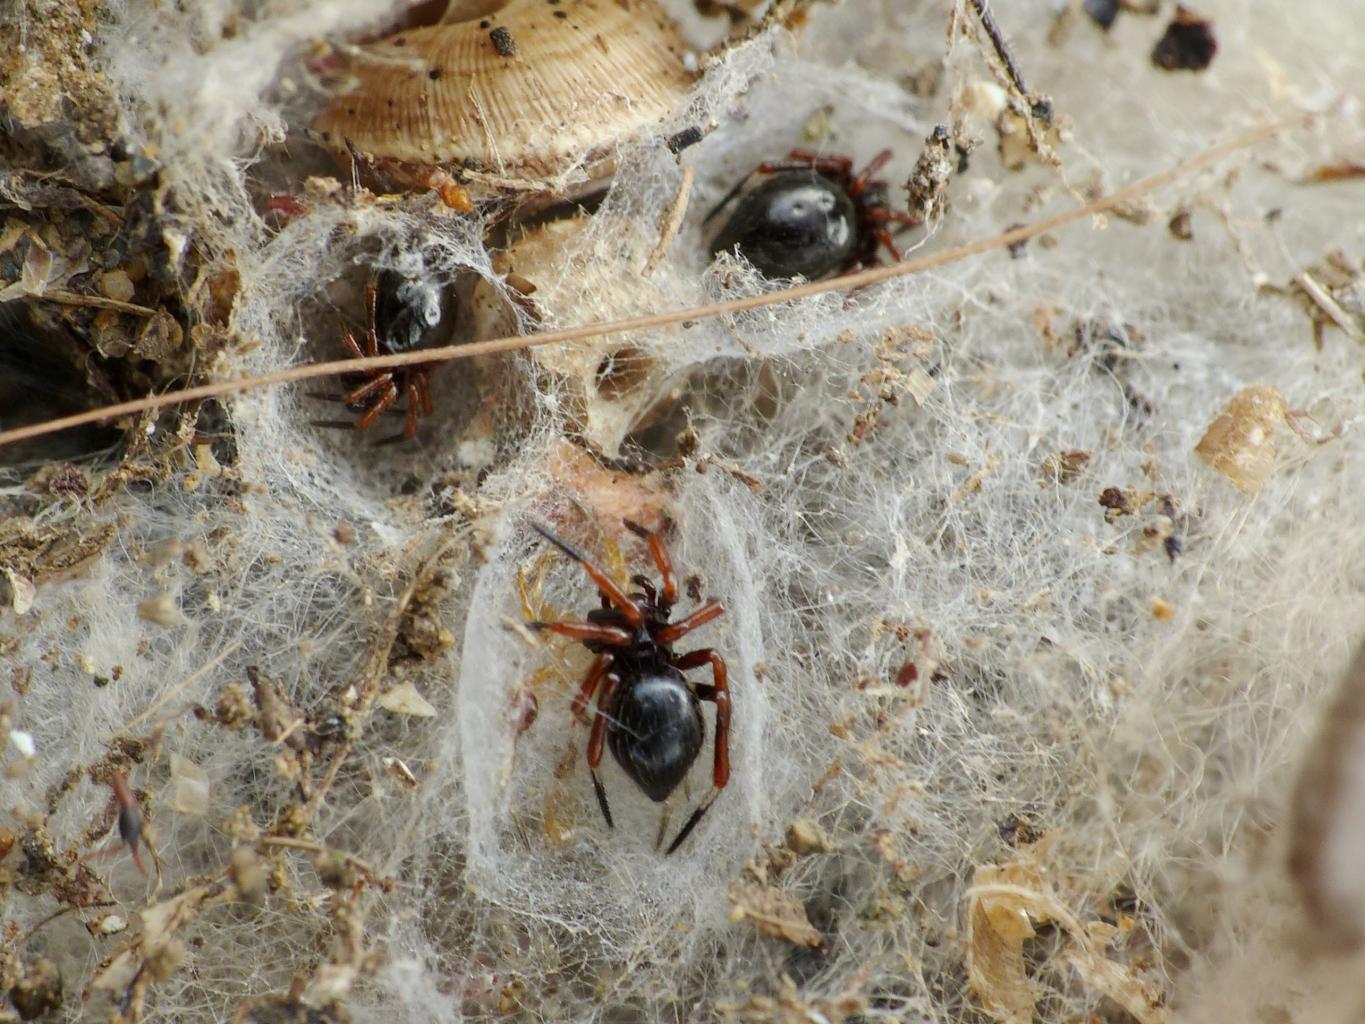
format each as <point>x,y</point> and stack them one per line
<point>806,836</point>
<point>1240,443</point>
<point>404,699</point>
<point>998,925</point>
<point>1003,904</point>
<point>774,912</point>
<point>21,592</point>
<point>159,609</point>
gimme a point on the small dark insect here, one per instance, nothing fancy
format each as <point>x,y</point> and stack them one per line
<point>647,712</point>
<point>813,217</point>
<point>129,817</point>
<point>129,821</point>
<point>403,314</point>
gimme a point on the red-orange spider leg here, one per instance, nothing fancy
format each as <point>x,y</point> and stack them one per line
<point>712,609</point>
<point>353,346</point>
<point>410,424</point>
<point>371,317</point>
<point>880,215</point>
<point>377,410</point>
<point>669,594</point>
<point>825,163</point>
<point>596,671</point>
<point>359,395</point>
<point>859,183</point>
<point>613,636</point>
<point>884,236</point>
<point>720,695</point>
<point>605,584</point>
<point>423,381</point>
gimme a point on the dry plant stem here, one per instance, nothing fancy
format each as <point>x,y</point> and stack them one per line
<point>180,687</point>
<point>1328,305</point>
<point>96,301</point>
<point>1002,50</point>
<point>848,282</point>
<point>671,221</point>
<point>309,846</point>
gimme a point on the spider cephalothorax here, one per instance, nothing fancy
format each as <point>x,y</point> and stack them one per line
<point>648,713</point>
<point>811,216</point>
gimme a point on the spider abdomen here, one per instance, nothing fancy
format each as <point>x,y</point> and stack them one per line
<point>795,222</point>
<point>411,312</point>
<point>655,729</point>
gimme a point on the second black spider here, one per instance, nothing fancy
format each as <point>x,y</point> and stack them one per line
<point>648,713</point>
<point>402,314</point>
<point>811,216</point>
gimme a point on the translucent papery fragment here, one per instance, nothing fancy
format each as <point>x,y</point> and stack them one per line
<point>1329,817</point>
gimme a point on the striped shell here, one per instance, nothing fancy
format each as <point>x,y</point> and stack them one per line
<point>527,91</point>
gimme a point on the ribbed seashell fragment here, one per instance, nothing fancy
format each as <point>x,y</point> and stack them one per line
<point>527,92</point>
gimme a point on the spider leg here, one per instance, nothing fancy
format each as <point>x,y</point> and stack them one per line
<point>865,175</point>
<point>371,317</point>
<point>366,390</point>
<point>352,346</point>
<point>373,413</point>
<point>669,594</point>
<point>824,163</point>
<point>664,815</point>
<point>422,377</point>
<point>728,196</point>
<point>324,396</point>
<point>884,236</point>
<point>605,585</point>
<point>881,215</point>
<point>612,636</point>
<point>333,424</point>
<point>712,609</point>
<point>410,424</point>
<point>595,742</point>
<point>596,671</point>
<point>719,694</point>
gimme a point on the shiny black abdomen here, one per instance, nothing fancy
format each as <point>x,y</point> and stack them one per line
<point>794,222</point>
<point>655,728</point>
<point>410,312</point>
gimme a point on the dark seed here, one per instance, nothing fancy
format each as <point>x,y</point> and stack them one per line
<point>434,74</point>
<point>685,138</point>
<point>1188,44</point>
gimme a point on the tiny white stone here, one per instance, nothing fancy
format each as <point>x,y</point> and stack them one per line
<point>23,742</point>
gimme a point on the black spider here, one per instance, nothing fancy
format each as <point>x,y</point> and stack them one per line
<point>647,712</point>
<point>812,217</point>
<point>402,314</point>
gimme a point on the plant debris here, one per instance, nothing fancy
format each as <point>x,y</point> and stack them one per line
<point>1188,43</point>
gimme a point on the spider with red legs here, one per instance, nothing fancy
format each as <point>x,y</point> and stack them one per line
<point>813,217</point>
<point>647,713</point>
<point>402,314</point>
